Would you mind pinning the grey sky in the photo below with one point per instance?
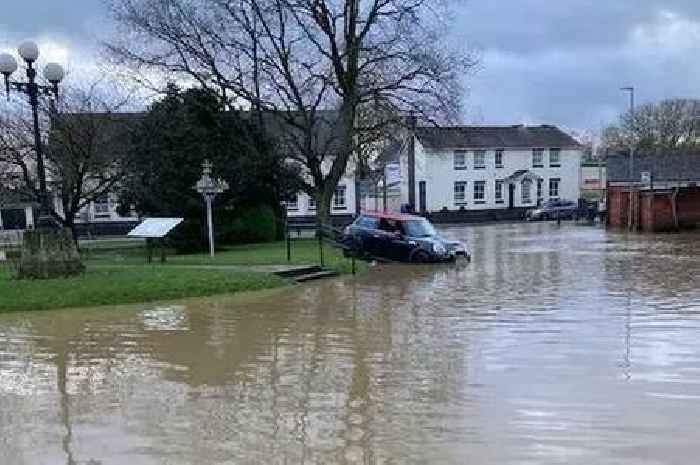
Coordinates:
(543, 61)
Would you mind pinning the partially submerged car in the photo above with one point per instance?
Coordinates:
(554, 209)
(400, 237)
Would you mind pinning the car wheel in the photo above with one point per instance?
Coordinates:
(420, 256)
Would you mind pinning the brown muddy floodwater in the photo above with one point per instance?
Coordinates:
(555, 345)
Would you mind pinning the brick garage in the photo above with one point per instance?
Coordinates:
(653, 209)
(661, 195)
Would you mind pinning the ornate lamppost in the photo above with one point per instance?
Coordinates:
(53, 73)
(49, 251)
(209, 188)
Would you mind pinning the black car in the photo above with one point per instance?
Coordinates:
(563, 209)
(400, 237)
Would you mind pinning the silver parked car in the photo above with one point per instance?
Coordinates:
(564, 209)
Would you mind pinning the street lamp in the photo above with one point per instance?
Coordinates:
(632, 122)
(53, 73)
(209, 188)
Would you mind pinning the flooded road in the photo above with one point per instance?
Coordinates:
(555, 345)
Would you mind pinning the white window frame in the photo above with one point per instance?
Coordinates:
(460, 199)
(457, 163)
(293, 205)
(479, 159)
(102, 206)
(554, 161)
(554, 188)
(526, 192)
(498, 190)
(538, 158)
(340, 198)
(479, 194)
(498, 158)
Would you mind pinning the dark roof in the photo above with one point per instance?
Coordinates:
(668, 166)
(494, 137)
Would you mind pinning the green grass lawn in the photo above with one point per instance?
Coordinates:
(124, 285)
(117, 274)
(304, 252)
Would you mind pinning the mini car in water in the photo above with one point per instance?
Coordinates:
(400, 237)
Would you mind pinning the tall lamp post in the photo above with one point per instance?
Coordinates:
(209, 188)
(53, 73)
(632, 122)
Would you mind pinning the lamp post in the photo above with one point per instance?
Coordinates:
(632, 122)
(53, 73)
(209, 188)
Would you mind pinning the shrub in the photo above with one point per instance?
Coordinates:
(252, 224)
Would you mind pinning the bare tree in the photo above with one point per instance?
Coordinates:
(667, 125)
(86, 144)
(329, 76)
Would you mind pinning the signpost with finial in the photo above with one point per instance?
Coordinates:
(209, 188)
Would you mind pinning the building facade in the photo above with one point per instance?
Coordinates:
(468, 168)
(658, 192)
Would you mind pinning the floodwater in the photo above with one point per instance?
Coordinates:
(555, 345)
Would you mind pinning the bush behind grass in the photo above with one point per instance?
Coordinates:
(126, 285)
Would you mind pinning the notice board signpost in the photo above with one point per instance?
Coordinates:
(153, 229)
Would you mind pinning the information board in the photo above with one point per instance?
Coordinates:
(154, 227)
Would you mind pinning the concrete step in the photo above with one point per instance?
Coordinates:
(292, 272)
(315, 275)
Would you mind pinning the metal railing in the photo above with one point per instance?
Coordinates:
(324, 234)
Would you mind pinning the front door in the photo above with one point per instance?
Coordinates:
(511, 195)
(422, 197)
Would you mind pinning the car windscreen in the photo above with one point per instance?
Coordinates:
(368, 222)
(419, 228)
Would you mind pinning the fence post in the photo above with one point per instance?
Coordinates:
(289, 243)
(320, 244)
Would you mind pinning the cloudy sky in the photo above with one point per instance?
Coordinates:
(543, 61)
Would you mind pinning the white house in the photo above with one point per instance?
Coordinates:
(472, 168)
(489, 167)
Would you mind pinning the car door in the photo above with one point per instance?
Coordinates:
(399, 246)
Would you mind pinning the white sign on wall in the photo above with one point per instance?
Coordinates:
(393, 173)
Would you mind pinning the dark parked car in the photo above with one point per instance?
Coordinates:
(564, 209)
(400, 237)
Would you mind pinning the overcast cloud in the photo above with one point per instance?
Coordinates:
(543, 61)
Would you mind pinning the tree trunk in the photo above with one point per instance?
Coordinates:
(323, 206)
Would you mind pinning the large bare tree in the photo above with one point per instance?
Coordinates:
(86, 144)
(329, 76)
(668, 125)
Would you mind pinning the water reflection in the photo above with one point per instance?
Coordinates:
(555, 345)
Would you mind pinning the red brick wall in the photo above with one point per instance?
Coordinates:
(618, 204)
(655, 211)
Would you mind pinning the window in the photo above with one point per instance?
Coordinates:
(499, 158)
(539, 190)
(293, 203)
(479, 191)
(479, 159)
(339, 198)
(312, 203)
(460, 193)
(101, 205)
(554, 160)
(460, 159)
(537, 158)
(554, 188)
(526, 187)
(499, 191)
(368, 222)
